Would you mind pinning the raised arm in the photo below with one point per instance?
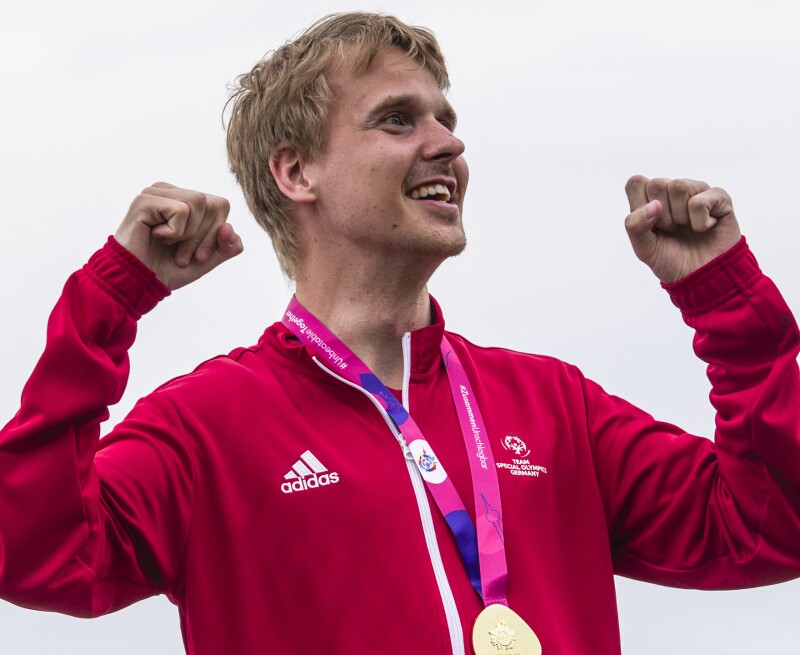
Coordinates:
(67, 541)
(683, 510)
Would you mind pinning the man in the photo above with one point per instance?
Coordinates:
(284, 502)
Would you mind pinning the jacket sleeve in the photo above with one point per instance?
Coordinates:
(68, 540)
(724, 514)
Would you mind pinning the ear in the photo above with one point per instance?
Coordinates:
(289, 170)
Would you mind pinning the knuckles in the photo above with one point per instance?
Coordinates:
(680, 187)
(639, 186)
(203, 209)
(635, 183)
(221, 206)
(721, 193)
(196, 200)
(657, 187)
(696, 203)
(140, 199)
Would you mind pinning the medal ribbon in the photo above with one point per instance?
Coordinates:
(481, 544)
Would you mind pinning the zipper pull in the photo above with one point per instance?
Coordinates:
(406, 450)
(400, 439)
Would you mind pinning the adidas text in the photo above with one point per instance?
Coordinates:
(310, 482)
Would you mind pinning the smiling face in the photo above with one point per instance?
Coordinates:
(392, 178)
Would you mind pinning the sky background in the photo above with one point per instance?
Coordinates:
(559, 103)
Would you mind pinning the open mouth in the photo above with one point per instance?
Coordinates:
(431, 192)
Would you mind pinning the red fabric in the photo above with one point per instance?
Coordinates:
(184, 496)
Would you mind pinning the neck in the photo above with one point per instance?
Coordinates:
(370, 314)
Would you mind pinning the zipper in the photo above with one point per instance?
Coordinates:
(445, 592)
(406, 343)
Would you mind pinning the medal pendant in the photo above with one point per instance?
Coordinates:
(500, 631)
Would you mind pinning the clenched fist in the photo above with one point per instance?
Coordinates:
(179, 234)
(677, 226)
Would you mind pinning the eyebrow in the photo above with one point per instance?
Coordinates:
(395, 101)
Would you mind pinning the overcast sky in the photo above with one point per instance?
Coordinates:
(559, 103)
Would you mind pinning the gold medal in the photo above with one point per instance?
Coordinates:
(500, 631)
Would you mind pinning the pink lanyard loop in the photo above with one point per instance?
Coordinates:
(488, 572)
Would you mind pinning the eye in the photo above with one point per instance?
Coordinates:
(395, 120)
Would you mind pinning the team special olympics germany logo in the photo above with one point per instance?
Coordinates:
(519, 465)
(516, 445)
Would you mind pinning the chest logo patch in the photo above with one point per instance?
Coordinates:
(520, 464)
(514, 443)
(308, 473)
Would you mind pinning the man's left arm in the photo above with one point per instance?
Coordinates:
(687, 511)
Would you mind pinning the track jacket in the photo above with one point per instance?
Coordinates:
(273, 504)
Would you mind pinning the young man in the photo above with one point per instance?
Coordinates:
(292, 496)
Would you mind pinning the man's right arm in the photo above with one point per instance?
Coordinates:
(65, 544)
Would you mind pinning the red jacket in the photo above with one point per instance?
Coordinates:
(272, 504)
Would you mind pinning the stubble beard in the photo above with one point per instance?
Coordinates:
(440, 246)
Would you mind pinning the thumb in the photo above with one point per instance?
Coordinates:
(639, 224)
(229, 244)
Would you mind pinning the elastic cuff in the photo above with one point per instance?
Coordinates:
(713, 284)
(125, 278)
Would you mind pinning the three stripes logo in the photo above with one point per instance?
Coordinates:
(308, 473)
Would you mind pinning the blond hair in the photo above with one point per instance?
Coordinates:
(285, 101)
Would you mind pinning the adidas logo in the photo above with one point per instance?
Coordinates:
(308, 473)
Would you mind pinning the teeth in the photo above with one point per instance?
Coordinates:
(431, 191)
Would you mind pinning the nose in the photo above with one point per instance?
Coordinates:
(441, 144)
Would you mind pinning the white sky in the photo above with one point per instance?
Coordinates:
(559, 103)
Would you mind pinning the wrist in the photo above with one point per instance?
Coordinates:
(713, 283)
(126, 278)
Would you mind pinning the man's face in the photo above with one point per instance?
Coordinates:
(392, 179)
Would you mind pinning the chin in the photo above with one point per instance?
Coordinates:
(440, 245)
(457, 247)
